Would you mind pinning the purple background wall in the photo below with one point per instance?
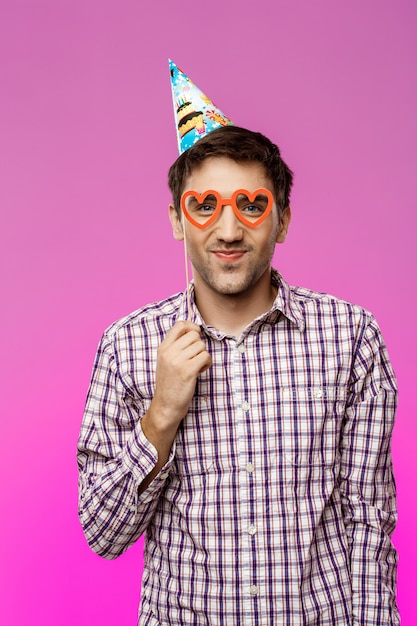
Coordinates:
(87, 136)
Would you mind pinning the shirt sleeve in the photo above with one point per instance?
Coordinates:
(114, 457)
(367, 482)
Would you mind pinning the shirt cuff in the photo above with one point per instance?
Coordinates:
(140, 457)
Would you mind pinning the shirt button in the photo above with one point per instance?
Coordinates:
(254, 590)
(249, 468)
(163, 475)
(318, 393)
(241, 348)
(245, 406)
(251, 529)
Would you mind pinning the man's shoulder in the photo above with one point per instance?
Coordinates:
(164, 311)
(306, 296)
(314, 303)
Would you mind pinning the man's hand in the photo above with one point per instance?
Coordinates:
(182, 356)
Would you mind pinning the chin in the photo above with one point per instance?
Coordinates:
(231, 280)
(232, 286)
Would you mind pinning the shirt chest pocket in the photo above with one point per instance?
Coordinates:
(311, 419)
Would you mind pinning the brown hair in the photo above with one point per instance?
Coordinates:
(241, 145)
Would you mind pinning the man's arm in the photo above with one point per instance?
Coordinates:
(367, 483)
(123, 456)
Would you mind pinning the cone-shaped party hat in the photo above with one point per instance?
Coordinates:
(195, 114)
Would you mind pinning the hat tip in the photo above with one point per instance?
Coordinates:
(195, 114)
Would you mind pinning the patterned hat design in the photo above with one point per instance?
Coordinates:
(195, 114)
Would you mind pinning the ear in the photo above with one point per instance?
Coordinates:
(175, 223)
(284, 225)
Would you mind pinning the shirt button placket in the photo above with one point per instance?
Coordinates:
(247, 484)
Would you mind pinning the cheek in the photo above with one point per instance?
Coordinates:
(272, 235)
(195, 241)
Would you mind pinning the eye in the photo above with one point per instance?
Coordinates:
(253, 209)
(205, 208)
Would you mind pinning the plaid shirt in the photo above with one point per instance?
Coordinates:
(277, 503)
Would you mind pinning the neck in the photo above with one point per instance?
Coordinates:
(231, 313)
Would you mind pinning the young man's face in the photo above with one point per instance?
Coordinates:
(229, 257)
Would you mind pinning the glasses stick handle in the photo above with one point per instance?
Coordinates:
(187, 280)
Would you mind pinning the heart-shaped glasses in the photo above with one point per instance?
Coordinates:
(250, 208)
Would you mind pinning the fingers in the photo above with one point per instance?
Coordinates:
(185, 339)
(182, 329)
(184, 351)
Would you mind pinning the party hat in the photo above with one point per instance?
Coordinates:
(195, 114)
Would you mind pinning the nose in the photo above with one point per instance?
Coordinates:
(228, 226)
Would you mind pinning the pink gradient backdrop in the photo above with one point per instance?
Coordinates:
(87, 136)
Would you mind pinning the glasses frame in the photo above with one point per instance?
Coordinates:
(221, 202)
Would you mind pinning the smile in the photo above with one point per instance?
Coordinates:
(229, 256)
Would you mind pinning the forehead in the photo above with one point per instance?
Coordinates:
(226, 175)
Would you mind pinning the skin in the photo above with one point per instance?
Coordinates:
(232, 275)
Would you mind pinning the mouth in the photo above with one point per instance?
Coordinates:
(229, 256)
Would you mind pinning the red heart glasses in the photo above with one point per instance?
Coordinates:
(251, 208)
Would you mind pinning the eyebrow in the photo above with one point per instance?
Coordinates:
(192, 200)
(259, 196)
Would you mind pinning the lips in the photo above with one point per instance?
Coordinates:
(229, 256)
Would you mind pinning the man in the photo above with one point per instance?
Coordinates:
(246, 428)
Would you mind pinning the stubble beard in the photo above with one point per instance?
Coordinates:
(231, 280)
